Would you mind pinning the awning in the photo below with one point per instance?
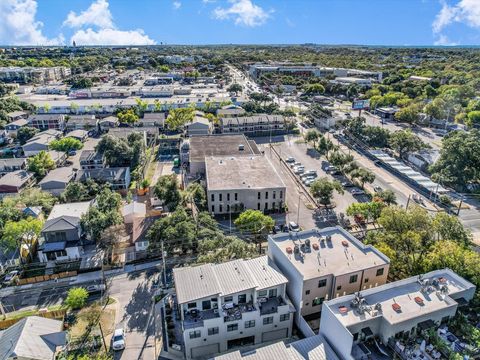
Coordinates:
(55, 246)
(427, 324)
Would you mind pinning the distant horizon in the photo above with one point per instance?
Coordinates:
(409, 23)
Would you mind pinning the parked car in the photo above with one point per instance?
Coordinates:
(95, 288)
(292, 165)
(331, 169)
(72, 153)
(11, 277)
(377, 189)
(290, 159)
(347, 184)
(309, 182)
(299, 170)
(276, 229)
(356, 191)
(293, 226)
(118, 340)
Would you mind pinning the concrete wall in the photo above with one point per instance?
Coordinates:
(337, 336)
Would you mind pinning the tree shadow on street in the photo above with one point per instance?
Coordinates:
(139, 307)
(313, 153)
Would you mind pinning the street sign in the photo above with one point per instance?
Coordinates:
(360, 104)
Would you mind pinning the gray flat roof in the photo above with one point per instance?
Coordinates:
(198, 282)
(342, 255)
(220, 145)
(76, 209)
(241, 172)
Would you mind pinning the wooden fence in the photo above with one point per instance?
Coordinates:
(55, 314)
(41, 278)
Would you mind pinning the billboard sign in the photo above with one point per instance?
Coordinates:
(360, 104)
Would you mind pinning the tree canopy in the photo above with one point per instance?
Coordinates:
(40, 164)
(66, 144)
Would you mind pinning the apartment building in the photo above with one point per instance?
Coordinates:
(222, 306)
(323, 264)
(258, 125)
(48, 122)
(39, 75)
(243, 182)
(118, 177)
(393, 312)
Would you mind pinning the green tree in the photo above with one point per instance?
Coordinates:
(325, 146)
(323, 189)
(76, 298)
(122, 152)
(177, 118)
(40, 164)
(235, 88)
(223, 248)
(256, 224)
(166, 190)
(314, 89)
(388, 197)
(196, 193)
(459, 161)
(473, 118)
(311, 136)
(127, 116)
(23, 233)
(405, 141)
(363, 175)
(25, 133)
(368, 210)
(409, 114)
(340, 160)
(66, 144)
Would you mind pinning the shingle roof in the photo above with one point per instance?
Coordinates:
(198, 282)
(32, 337)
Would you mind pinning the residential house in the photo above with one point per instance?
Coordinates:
(169, 144)
(40, 142)
(59, 157)
(13, 127)
(80, 135)
(32, 211)
(62, 234)
(323, 264)
(82, 122)
(118, 178)
(386, 113)
(57, 180)
(222, 306)
(151, 119)
(48, 121)
(198, 126)
(390, 313)
(91, 159)
(17, 115)
(108, 123)
(13, 164)
(258, 125)
(33, 338)
(14, 182)
(244, 182)
(230, 111)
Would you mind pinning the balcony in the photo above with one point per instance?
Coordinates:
(235, 313)
(270, 306)
(194, 319)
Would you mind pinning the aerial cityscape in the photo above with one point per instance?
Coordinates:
(239, 179)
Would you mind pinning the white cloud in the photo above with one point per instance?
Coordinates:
(111, 37)
(18, 25)
(97, 14)
(465, 11)
(105, 32)
(243, 12)
(177, 5)
(443, 40)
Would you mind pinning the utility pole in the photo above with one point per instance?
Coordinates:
(164, 267)
(298, 208)
(103, 337)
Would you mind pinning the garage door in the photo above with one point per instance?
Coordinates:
(205, 350)
(275, 335)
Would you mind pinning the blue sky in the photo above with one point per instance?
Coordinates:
(370, 22)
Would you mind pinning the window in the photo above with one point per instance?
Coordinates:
(232, 327)
(272, 293)
(259, 195)
(339, 287)
(322, 283)
(206, 305)
(353, 279)
(192, 305)
(281, 194)
(249, 324)
(285, 317)
(213, 197)
(228, 299)
(268, 320)
(228, 197)
(195, 334)
(262, 293)
(242, 299)
(307, 292)
(266, 194)
(380, 272)
(220, 208)
(318, 301)
(266, 206)
(213, 331)
(274, 195)
(355, 337)
(366, 280)
(236, 196)
(228, 208)
(213, 208)
(258, 206)
(219, 197)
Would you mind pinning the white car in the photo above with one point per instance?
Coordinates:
(290, 159)
(118, 340)
(11, 277)
(356, 191)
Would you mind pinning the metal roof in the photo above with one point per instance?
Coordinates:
(56, 246)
